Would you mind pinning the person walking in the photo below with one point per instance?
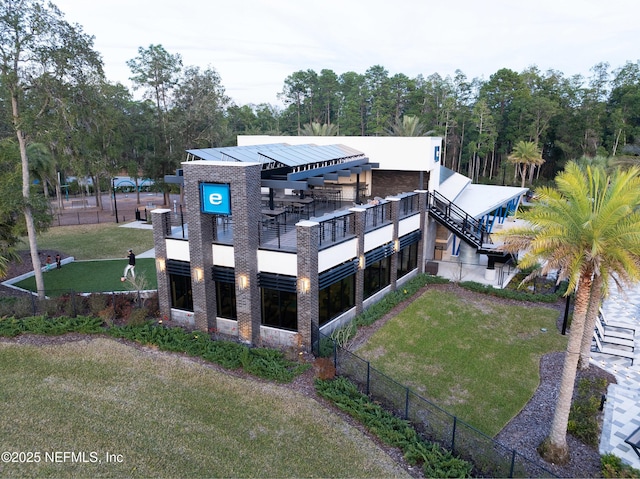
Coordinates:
(131, 266)
(58, 261)
(48, 264)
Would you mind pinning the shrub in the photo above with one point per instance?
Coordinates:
(585, 410)
(137, 317)
(612, 466)
(513, 294)
(265, 363)
(50, 326)
(97, 303)
(396, 432)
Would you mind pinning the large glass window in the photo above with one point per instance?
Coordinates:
(336, 298)
(279, 309)
(407, 259)
(377, 276)
(181, 295)
(226, 300)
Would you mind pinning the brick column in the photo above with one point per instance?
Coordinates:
(308, 293)
(244, 183)
(395, 219)
(200, 247)
(359, 218)
(161, 220)
(245, 204)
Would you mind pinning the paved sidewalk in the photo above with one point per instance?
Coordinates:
(622, 409)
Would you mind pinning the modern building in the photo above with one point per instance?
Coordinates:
(287, 237)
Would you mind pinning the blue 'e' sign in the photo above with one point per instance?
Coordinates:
(215, 198)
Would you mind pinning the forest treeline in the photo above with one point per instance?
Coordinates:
(97, 129)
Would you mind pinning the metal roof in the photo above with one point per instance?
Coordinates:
(289, 166)
(279, 154)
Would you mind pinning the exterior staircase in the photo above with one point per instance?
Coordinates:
(466, 227)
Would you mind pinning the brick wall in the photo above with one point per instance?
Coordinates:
(388, 183)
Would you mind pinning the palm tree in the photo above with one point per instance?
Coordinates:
(409, 126)
(41, 164)
(527, 154)
(585, 228)
(317, 129)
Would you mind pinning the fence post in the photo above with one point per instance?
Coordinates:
(368, 377)
(406, 404)
(33, 305)
(453, 435)
(73, 303)
(335, 355)
(113, 302)
(513, 462)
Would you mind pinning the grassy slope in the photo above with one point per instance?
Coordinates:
(167, 417)
(479, 360)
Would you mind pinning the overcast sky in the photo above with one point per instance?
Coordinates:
(255, 44)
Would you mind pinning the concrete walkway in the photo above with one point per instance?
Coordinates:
(622, 409)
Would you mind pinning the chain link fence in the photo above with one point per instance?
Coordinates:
(434, 424)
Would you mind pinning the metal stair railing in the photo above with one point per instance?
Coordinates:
(457, 220)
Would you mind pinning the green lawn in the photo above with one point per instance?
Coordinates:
(163, 415)
(95, 277)
(479, 359)
(101, 241)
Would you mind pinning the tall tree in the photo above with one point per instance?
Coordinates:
(198, 114)
(10, 203)
(486, 136)
(157, 71)
(298, 93)
(585, 227)
(38, 50)
(379, 101)
(353, 110)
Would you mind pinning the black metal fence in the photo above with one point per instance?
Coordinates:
(434, 424)
(92, 216)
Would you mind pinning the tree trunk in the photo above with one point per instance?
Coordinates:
(555, 449)
(28, 214)
(590, 322)
(96, 190)
(615, 145)
(59, 194)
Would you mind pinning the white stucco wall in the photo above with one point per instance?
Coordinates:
(391, 152)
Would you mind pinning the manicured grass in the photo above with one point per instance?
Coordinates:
(95, 276)
(479, 359)
(166, 416)
(99, 241)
